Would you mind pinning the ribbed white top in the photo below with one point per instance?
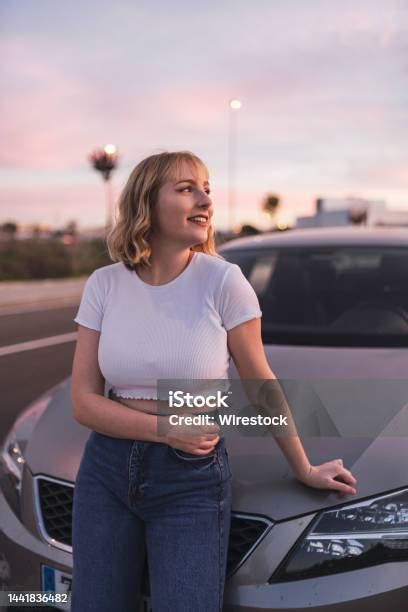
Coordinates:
(174, 331)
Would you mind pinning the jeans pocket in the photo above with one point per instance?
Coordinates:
(192, 458)
(199, 460)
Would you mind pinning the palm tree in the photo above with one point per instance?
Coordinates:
(270, 205)
(105, 161)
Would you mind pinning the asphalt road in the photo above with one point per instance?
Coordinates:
(25, 374)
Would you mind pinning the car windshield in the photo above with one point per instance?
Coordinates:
(331, 296)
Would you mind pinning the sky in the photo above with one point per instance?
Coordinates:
(323, 86)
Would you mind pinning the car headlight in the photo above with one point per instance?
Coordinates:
(13, 447)
(351, 537)
(13, 459)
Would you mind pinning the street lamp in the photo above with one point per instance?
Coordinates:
(234, 106)
(105, 161)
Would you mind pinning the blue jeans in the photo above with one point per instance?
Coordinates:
(134, 497)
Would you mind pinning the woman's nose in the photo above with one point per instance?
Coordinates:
(206, 206)
(205, 200)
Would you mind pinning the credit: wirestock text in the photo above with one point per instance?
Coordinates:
(228, 420)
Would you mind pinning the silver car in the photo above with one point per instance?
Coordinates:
(335, 332)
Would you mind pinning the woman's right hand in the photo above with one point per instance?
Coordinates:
(195, 439)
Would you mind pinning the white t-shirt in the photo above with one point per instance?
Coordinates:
(177, 330)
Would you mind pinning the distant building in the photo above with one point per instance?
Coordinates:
(331, 204)
(324, 219)
(352, 211)
(390, 217)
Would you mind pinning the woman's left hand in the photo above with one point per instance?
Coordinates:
(330, 475)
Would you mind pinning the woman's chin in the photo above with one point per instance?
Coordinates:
(200, 233)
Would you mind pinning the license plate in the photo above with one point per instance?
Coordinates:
(55, 581)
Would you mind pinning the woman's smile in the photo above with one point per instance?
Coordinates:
(199, 220)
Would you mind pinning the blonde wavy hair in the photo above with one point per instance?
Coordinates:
(128, 240)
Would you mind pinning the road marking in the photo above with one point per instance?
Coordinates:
(35, 344)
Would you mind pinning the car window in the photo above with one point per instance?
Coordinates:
(342, 296)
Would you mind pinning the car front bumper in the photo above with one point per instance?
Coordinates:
(23, 554)
(379, 588)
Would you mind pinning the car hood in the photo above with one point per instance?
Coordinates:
(262, 480)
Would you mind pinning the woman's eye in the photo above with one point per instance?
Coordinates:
(207, 191)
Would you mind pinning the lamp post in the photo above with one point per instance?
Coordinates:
(234, 106)
(105, 161)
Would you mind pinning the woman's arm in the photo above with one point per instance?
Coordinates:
(91, 408)
(246, 348)
(111, 418)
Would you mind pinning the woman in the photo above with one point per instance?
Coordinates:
(170, 308)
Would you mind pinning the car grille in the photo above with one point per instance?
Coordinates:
(54, 510)
(54, 507)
